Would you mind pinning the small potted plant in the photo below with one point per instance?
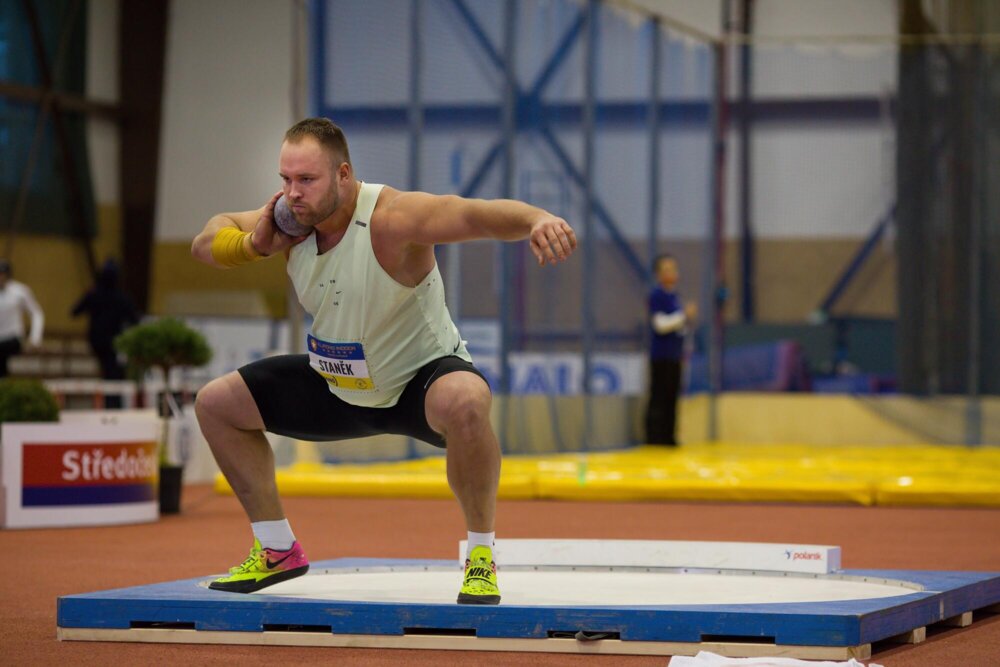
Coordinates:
(26, 400)
(165, 344)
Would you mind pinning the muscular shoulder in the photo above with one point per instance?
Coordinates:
(386, 208)
(404, 215)
(392, 237)
(388, 223)
(402, 209)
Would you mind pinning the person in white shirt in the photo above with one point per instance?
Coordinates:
(16, 299)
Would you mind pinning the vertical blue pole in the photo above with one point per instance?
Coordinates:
(509, 130)
(508, 250)
(317, 21)
(507, 186)
(746, 166)
(714, 269)
(416, 110)
(977, 223)
(589, 240)
(653, 118)
(710, 287)
(416, 122)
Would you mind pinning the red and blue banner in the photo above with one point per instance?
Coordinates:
(57, 474)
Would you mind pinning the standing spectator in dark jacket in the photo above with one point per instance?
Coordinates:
(668, 320)
(110, 312)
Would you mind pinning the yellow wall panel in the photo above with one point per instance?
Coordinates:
(55, 268)
(806, 418)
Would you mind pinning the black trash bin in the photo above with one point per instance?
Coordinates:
(170, 489)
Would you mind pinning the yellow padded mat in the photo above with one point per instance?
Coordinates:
(864, 475)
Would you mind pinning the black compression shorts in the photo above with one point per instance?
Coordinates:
(295, 401)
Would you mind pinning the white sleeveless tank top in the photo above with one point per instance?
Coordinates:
(370, 334)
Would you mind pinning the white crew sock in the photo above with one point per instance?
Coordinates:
(275, 535)
(479, 540)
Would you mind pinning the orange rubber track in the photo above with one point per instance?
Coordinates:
(212, 534)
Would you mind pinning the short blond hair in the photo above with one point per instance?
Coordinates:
(326, 132)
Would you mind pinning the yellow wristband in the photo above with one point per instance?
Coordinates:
(229, 248)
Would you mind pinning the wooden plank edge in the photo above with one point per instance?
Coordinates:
(914, 636)
(963, 620)
(552, 645)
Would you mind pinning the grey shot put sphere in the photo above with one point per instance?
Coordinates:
(286, 221)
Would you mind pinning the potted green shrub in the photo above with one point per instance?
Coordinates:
(26, 400)
(165, 344)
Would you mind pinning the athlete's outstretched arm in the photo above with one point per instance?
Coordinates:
(427, 219)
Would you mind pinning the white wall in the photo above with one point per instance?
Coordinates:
(820, 180)
(704, 16)
(227, 102)
(783, 17)
(825, 17)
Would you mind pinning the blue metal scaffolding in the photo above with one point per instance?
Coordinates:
(523, 111)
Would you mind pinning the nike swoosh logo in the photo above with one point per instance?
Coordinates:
(273, 564)
(457, 345)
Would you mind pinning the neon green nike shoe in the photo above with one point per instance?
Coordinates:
(263, 568)
(480, 585)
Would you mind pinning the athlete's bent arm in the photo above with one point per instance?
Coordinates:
(262, 236)
(427, 219)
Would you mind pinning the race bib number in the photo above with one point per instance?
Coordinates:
(343, 365)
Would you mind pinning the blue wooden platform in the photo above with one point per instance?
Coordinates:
(188, 605)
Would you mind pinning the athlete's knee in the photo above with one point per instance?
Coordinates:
(209, 403)
(220, 400)
(465, 414)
